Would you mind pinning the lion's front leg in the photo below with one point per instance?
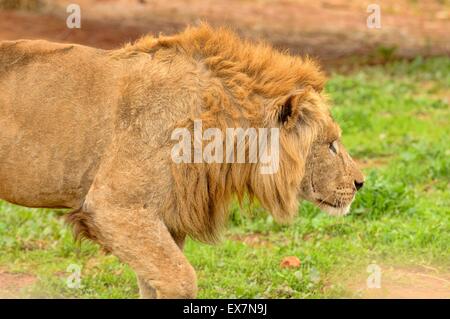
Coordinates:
(123, 205)
(145, 290)
(138, 237)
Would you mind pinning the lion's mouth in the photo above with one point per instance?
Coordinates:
(323, 202)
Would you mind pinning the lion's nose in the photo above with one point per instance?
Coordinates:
(359, 185)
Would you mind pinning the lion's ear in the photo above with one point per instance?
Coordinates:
(285, 111)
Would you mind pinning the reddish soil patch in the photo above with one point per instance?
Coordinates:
(406, 282)
(252, 240)
(11, 284)
(24, 25)
(333, 30)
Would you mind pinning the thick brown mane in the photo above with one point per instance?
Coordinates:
(248, 83)
(252, 67)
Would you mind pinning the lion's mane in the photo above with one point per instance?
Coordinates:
(249, 83)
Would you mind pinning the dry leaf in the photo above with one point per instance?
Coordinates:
(290, 262)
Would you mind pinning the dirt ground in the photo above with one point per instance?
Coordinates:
(12, 284)
(405, 282)
(333, 30)
(396, 282)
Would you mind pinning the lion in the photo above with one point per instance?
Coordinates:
(90, 130)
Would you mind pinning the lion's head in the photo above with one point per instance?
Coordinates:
(331, 177)
(314, 164)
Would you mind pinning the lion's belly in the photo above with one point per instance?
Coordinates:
(51, 167)
(37, 174)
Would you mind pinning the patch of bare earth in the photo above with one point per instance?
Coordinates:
(252, 240)
(405, 282)
(13, 284)
(334, 30)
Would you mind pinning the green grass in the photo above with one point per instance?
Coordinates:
(395, 118)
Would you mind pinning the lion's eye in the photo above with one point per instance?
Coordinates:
(334, 148)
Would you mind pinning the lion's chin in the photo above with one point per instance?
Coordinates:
(334, 210)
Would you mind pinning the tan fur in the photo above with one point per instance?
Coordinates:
(94, 135)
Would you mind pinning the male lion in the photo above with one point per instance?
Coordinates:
(90, 130)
